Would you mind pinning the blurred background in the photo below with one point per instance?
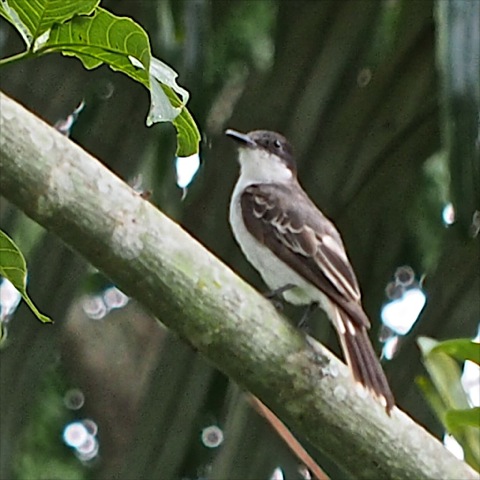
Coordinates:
(381, 102)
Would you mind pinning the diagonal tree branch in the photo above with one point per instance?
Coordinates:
(152, 259)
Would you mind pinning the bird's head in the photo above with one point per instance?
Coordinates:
(264, 156)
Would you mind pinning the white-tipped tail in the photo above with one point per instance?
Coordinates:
(362, 360)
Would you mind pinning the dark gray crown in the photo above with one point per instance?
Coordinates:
(272, 142)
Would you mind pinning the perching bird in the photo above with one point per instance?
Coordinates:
(298, 251)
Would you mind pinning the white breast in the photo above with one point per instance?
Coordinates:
(274, 272)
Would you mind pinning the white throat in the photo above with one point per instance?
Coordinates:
(260, 166)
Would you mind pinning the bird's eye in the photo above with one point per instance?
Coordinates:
(277, 144)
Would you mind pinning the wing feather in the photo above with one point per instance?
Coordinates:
(305, 240)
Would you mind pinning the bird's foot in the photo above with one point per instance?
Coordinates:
(275, 296)
(303, 323)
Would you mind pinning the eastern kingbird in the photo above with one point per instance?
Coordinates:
(298, 251)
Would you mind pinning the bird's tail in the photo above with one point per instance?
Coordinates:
(362, 360)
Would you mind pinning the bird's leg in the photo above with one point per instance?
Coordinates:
(302, 324)
(279, 291)
(275, 296)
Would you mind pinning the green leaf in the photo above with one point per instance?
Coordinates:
(117, 41)
(167, 106)
(431, 394)
(34, 18)
(12, 17)
(445, 374)
(460, 348)
(455, 419)
(188, 136)
(13, 267)
(103, 38)
(464, 425)
(163, 108)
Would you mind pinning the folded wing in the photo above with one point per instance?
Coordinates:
(309, 243)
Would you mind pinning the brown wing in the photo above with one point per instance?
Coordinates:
(305, 240)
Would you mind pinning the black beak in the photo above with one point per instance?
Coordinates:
(239, 137)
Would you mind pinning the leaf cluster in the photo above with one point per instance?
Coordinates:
(95, 36)
(445, 393)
